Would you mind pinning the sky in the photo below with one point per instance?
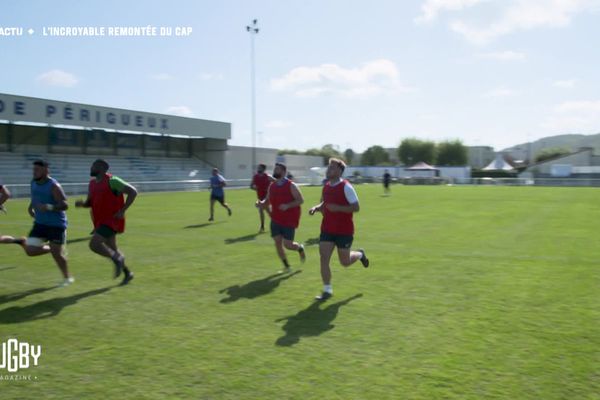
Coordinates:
(351, 73)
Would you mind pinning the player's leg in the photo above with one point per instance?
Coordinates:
(288, 243)
(348, 257)
(225, 205)
(7, 239)
(99, 245)
(325, 252)
(212, 209)
(278, 240)
(35, 246)
(277, 235)
(111, 242)
(261, 213)
(59, 254)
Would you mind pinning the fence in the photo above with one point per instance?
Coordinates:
(558, 182)
(194, 185)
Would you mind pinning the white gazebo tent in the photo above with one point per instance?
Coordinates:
(499, 164)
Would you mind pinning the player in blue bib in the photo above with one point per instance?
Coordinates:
(217, 183)
(47, 208)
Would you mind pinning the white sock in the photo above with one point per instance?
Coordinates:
(328, 288)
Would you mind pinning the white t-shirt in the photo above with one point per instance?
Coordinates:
(349, 192)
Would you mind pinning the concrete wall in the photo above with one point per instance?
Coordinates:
(238, 161)
(298, 165)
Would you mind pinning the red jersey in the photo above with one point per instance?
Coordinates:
(336, 223)
(105, 204)
(261, 182)
(282, 194)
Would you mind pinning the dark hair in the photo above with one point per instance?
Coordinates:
(263, 166)
(41, 163)
(281, 166)
(103, 163)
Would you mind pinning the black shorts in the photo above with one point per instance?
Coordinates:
(386, 184)
(105, 231)
(52, 234)
(279, 230)
(220, 199)
(341, 241)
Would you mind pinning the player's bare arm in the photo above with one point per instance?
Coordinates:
(352, 208)
(316, 209)
(131, 193)
(60, 200)
(264, 202)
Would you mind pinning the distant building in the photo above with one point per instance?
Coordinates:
(480, 156)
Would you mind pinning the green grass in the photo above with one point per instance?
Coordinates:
(474, 293)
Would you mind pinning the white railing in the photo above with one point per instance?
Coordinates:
(191, 185)
(194, 185)
(577, 182)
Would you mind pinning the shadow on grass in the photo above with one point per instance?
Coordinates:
(254, 289)
(44, 309)
(7, 268)
(246, 238)
(312, 321)
(7, 298)
(82, 239)
(312, 241)
(202, 225)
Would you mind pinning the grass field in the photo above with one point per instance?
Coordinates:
(474, 293)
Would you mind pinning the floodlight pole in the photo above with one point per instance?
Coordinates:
(252, 29)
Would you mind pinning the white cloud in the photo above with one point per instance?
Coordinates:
(182, 111)
(58, 77)
(370, 79)
(504, 55)
(161, 77)
(500, 92)
(575, 116)
(516, 15)
(278, 124)
(432, 8)
(565, 84)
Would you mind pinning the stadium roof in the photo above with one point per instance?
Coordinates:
(52, 112)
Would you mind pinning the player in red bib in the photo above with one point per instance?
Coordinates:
(260, 183)
(338, 203)
(285, 199)
(105, 197)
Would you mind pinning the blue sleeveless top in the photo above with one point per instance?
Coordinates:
(42, 194)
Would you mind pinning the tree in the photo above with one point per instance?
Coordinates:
(328, 151)
(349, 155)
(551, 152)
(451, 153)
(375, 155)
(412, 151)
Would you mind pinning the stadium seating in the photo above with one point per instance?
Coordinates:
(15, 168)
